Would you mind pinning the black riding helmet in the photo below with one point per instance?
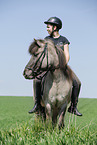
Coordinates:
(54, 21)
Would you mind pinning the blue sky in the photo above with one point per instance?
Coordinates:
(23, 20)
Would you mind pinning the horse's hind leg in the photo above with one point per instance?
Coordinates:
(54, 116)
(61, 116)
(48, 112)
(61, 120)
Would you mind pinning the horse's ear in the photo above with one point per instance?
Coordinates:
(35, 40)
(39, 42)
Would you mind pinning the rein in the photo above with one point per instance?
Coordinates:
(41, 56)
(36, 70)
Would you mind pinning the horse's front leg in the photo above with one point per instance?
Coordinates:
(48, 112)
(61, 116)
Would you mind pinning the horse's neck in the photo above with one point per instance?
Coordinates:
(58, 75)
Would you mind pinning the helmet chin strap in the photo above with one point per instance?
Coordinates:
(53, 31)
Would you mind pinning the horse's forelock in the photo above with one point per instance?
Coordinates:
(35, 45)
(33, 48)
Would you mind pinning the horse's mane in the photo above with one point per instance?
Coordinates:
(62, 62)
(61, 56)
(62, 59)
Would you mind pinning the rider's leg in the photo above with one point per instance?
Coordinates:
(37, 95)
(74, 96)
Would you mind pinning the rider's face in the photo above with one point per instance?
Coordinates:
(49, 28)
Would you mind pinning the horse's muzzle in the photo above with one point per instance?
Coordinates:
(28, 74)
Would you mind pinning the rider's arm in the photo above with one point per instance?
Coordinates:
(66, 52)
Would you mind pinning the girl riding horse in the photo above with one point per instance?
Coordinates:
(54, 24)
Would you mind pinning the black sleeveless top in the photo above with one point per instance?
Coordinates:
(60, 41)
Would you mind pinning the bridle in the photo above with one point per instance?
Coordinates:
(36, 69)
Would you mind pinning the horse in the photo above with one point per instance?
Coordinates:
(48, 64)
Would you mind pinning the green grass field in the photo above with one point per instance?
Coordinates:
(17, 127)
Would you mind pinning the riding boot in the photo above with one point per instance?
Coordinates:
(37, 97)
(74, 99)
